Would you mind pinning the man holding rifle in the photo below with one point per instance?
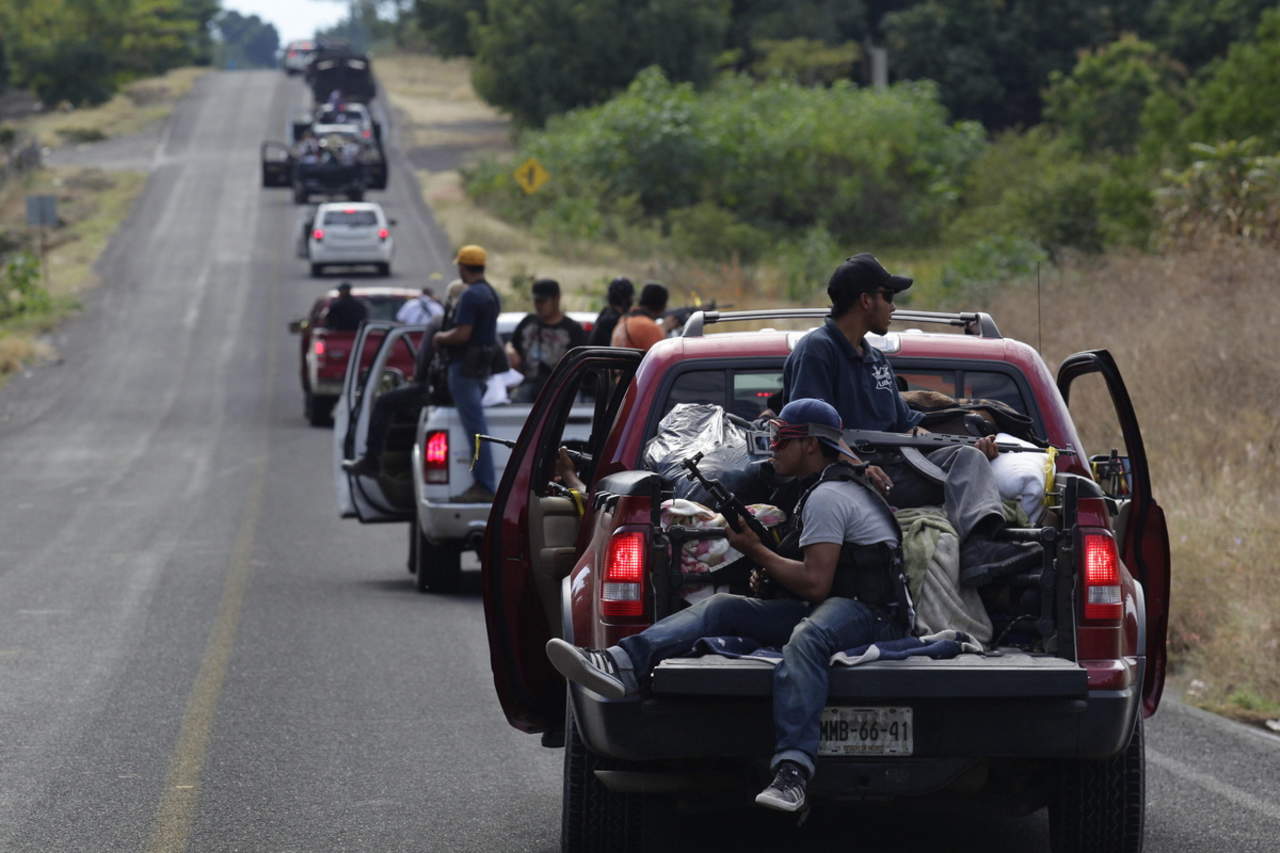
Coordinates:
(839, 585)
(838, 364)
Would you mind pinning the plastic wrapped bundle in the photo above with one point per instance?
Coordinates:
(703, 556)
(732, 450)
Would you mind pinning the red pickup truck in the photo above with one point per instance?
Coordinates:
(324, 352)
(1055, 720)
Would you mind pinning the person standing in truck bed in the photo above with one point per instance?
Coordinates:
(841, 593)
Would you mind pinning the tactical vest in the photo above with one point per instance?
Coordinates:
(873, 574)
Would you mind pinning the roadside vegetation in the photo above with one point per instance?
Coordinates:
(1119, 160)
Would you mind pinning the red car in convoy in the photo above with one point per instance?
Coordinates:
(324, 352)
(1053, 720)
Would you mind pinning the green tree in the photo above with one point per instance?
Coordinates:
(536, 58)
(808, 62)
(448, 24)
(1098, 106)
(81, 51)
(992, 58)
(1198, 31)
(247, 41)
(1241, 95)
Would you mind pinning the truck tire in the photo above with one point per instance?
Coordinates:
(318, 408)
(355, 195)
(413, 548)
(438, 566)
(384, 270)
(1100, 806)
(301, 196)
(317, 270)
(594, 819)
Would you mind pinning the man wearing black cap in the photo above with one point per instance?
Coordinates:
(618, 302)
(823, 605)
(838, 364)
(542, 337)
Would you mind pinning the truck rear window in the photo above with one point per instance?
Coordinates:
(744, 393)
(350, 217)
(974, 384)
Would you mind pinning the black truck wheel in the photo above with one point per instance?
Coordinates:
(1100, 806)
(301, 196)
(438, 567)
(318, 408)
(317, 270)
(594, 819)
(412, 562)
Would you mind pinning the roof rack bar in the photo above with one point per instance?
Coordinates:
(973, 322)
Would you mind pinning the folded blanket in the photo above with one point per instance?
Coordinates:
(931, 558)
(939, 646)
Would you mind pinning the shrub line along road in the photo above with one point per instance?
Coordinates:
(196, 654)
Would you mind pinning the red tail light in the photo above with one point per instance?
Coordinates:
(1100, 566)
(319, 346)
(435, 457)
(622, 587)
(383, 233)
(317, 234)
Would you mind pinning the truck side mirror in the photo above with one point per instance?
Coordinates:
(392, 222)
(296, 326)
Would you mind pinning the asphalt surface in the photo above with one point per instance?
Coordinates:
(196, 653)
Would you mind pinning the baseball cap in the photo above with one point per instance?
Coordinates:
(470, 256)
(863, 273)
(547, 287)
(809, 416)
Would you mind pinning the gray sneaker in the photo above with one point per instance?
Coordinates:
(787, 791)
(592, 668)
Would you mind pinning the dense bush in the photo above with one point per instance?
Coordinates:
(20, 289)
(777, 157)
(1232, 191)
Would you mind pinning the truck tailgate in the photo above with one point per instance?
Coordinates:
(1012, 673)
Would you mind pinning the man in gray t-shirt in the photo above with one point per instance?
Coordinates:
(810, 623)
(840, 512)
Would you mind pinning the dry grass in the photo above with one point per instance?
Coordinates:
(1193, 335)
(92, 204)
(133, 108)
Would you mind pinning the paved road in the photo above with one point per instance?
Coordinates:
(196, 654)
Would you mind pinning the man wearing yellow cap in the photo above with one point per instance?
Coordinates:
(473, 346)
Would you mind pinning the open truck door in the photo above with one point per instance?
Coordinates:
(277, 164)
(370, 372)
(1125, 477)
(532, 528)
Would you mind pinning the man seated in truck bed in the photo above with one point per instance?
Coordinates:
(842, 592)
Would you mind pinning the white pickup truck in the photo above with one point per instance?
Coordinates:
(425, 462)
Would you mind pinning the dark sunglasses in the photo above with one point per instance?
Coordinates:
(887, 294)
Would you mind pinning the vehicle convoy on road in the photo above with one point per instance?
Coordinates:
(428, 460)
(348, 234)
(1051, 716)
(325, 352)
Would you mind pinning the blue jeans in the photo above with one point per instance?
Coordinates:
(808, 635)
(467, 396)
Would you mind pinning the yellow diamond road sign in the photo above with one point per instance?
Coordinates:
(531, 175)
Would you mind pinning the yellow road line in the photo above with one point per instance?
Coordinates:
(171, 827)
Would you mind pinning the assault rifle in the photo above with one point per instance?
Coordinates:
(865, 440)
(725, 502)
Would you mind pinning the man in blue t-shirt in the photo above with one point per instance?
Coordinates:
(838, 363)
(473, 347)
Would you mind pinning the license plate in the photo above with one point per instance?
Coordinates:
(866, 731)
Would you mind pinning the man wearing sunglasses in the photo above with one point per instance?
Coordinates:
(838, 584)
(838, 364)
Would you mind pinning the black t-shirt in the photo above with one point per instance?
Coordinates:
(602, 331)
(345, 314)
(541, 345)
